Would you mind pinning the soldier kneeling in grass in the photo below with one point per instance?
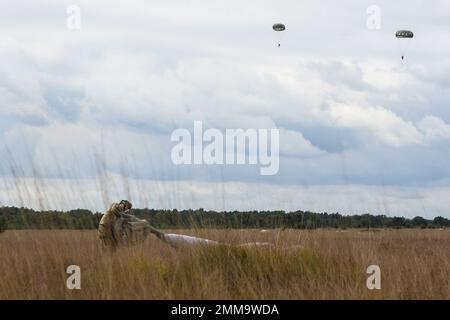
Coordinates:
(117, 227)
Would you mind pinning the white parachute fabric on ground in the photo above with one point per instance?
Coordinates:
(130, 230)
(177, 240)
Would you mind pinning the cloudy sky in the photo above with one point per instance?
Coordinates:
(86, 114)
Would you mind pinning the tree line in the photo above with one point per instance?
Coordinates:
(23, 218)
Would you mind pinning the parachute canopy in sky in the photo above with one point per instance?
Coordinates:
(404, 34)
(279, 27)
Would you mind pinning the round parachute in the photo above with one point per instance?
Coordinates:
(279, 27)
(404, 34)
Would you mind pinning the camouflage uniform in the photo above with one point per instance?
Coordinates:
(119, 228)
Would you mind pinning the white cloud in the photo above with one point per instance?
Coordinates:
(383, 124)
(293, 143)
(434, 129)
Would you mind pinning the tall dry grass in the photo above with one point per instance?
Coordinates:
(320, 264)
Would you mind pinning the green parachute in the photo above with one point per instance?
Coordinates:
(279, 27)
(404, 34)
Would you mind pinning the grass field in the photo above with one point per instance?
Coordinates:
(316, 264)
